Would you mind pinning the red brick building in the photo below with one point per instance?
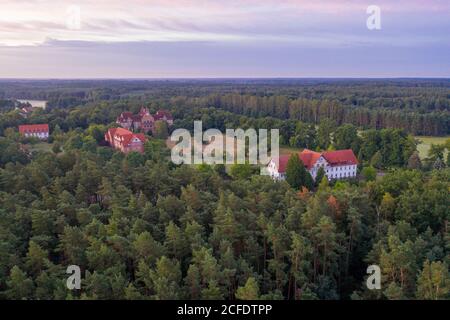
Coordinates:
(143, 121)
(40, 131)
(164, 115)
(125, 140)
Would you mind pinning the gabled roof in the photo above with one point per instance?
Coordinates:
(121, 131)
(129, 137)
(144, 111)
(26, 128)
(340, 157)
(282, 162)
(124, 116)
(126, 135)
(160, 114)
(309, 158)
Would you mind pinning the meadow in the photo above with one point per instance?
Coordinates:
(425, 143)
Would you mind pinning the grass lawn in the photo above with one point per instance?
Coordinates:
(425, 144)
(289, 150)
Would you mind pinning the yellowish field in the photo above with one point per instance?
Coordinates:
(425, 143)
(289, 150)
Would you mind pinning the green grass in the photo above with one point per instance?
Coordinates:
(425, 143)
(289, 150)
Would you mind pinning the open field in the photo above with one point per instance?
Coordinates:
(288, 150)
(422, 147)
(426, 143)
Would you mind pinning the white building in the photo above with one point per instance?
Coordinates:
(340, 164)
(40, 131)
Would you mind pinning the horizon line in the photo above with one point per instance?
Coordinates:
(230, 78)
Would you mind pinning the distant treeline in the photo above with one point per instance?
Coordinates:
(315, 110)
(419, 106)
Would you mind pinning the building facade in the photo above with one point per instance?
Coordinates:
(143, 121)
(40, 131)
(340, 164)
(125, 140)
(163, 115)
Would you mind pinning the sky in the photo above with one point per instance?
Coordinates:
(224, 38)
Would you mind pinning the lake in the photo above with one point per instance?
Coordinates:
(35, 103)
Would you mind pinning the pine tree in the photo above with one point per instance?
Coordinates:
(434, 281)
(324, 184)
(36, 258)
(296, 173)
(175, 243)
(248, 292)
(147, 248)
(19, 285)
(320, 175)
(132, 293)
(212, 292)
(166, 278)
(299, 255)
(192, 281)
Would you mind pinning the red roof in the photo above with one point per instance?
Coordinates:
(126, 135)
(340, 157)
(124, 116)
(309, 158)
(282, 162)
(160, 114)
(127, 138)
(144, 111)
(121, 131)
(27, 128)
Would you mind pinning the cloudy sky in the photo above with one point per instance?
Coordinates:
(222, 38)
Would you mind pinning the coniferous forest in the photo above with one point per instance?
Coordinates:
(141, 227)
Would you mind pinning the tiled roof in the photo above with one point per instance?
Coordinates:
(121, 131)
(127, 138)
(125, 135)
(27, 128)
(160, 114)
(125, 116)
(309, 158)
(340, 157)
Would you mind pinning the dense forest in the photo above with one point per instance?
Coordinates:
(141, 227)
(419, 106)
